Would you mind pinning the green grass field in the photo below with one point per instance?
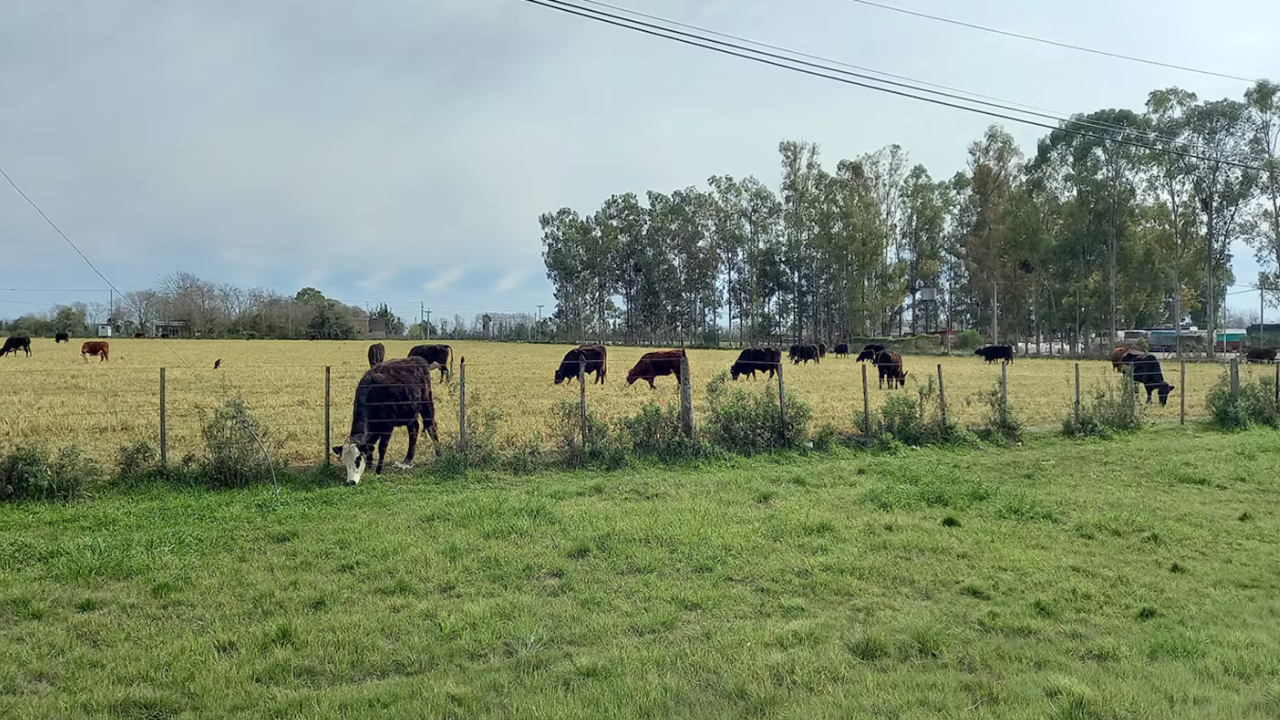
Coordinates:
(55, 396)
(1129, 579)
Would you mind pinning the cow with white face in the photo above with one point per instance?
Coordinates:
(392, 394)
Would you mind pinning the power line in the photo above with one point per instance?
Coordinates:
(1055, 43)
(87, 261)
(995, 101)
(741, 52)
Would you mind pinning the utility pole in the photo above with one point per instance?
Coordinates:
(426, 328)
(539, 322)
(995, 313)
(1262, 310)
(422, 325)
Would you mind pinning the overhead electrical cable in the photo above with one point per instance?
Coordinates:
(1055, 43)
(813, 69)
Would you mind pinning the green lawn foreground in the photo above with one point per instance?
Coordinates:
(1137, 578)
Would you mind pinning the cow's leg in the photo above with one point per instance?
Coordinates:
(651, 385)
(430, 421)
(412, 427)
(383, 439)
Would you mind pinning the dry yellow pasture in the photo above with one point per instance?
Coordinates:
(57, 397)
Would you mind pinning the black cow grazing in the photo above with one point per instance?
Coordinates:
(392, 394)
(992, 353)
(377, 353)
(869, 352)
(595, 357)
(1145, 369)
(16, 343)
(217, 363)
(842, 350)
(753, 360)
(438, 354)
(890, 366)
(61, 338)
(822, 350)
(805, 353)
(1261, 355)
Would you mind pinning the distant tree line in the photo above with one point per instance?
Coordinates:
(183, 305)
(1109, 225)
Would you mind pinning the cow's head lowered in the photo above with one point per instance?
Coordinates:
(356, 457)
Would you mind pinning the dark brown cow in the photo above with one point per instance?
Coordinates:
(753, 360)
(869, 352)
(656, 364)
(61, 338)
(392, 394)
(822, 350)
(889, 364)
(16, 343)
(842, 350)
(595, 357)
(139, 335)
(101, 348)
(805, 353)
(441, 355)
(377, 353)
(217, 363)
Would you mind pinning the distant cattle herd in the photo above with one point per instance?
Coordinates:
(397, 392)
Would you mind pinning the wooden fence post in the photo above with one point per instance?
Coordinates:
(782, 400)
(686, 397)
(164, 444)
(1077, 405)
(327, 443)
(462, 404)
(1004, 386)
(942, 396)
(582, 398)
(1235, 378)
(866, 404)
(1182, 410)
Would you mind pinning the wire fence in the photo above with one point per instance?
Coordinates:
(307, 408)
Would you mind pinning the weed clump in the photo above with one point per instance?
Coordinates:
(32, 472)
(747, 422)
(234, 446)
(1108, 411)
(913, 421)
(1255, 404)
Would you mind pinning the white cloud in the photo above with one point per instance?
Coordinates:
(443, 280)
(509, 281)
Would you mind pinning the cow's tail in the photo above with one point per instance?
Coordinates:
(450, 361)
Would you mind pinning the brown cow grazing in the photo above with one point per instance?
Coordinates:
(439, 354)
(753, 360)
(101, 348)
(1117, 357)
(596, 360)
(377, 353)
(656, 364)
(890, 366)
(392, 394)
(217, 363)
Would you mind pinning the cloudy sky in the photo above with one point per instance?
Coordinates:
(397, 150)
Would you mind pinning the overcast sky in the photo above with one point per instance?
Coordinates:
(401, 150)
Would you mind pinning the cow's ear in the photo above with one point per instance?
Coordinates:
(337, 450)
